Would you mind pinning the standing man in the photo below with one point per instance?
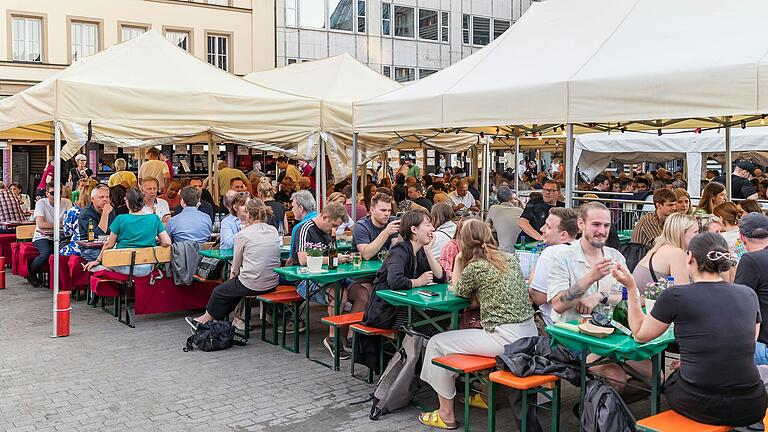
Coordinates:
(651, 224)
(741, 187)
(287, 170)
(153, 204)
(413, 169)
(537, 210)
(97, 215)
(43, 237)
(504, 218)
(753, 232)
(226, 176)
(164, 157)
(155, 168)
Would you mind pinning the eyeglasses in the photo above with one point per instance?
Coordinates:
(49, 192)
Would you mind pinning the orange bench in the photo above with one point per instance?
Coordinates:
(338, 322)
(527, 385)
(279, 299)
(473, 368)
(670, 421)
(247, 307)
(384, 335)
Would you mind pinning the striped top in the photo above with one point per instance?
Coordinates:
(647, 229)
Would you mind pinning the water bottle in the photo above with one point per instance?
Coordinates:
(217, 223)
(670, 281)
(522, 242)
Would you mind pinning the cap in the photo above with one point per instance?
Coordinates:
(80, 157)
(754, 225)
(745, 165)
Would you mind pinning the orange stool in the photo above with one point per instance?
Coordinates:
(472, 367)
(527, 385)
(278, 299)
(337, 322)
(670, 421)
(384, 335)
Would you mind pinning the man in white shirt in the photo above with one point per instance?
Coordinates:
(43, 238)
(580, 282)
(153, 204)
(559, 231)
(462, 200)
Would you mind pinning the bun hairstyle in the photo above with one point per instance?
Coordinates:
(711, 253)
(135, 199)
(258, 211)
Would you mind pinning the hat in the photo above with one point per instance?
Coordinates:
(80, 157)
(745, 165)
(754, 225)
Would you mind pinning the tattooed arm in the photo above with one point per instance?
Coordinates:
(573, 296)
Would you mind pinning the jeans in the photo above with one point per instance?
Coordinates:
(305, 287)
(761, 354)
(139, 270)
(44, 249)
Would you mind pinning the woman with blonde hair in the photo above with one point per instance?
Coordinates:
(266, 193)
(340, 198)
(712, 196)
(667, 257)
(506, 315)
(683, 201)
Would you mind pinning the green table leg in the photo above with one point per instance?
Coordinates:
(524, 414)
(491, 406)
(455, 320)
(555, 411)
(582, 389)
(466, 401)
(657, 361)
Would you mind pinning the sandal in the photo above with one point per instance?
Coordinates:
(476, 401)
(432, 419)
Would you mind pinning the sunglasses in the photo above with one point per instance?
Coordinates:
(49, 192)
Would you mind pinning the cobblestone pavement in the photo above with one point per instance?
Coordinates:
(108, 377)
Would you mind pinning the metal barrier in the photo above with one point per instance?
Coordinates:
(624, 212)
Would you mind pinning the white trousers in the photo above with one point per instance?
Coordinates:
(468, 341)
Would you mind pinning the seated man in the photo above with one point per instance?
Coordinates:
(238, 185)
(10, 209)
(190, 225)
(580, 282)
(650, 225)
(171, 196)
(153, 204)
(43, 237)
(415, 195)
(286, 191)
(318, 230)
(96, 215)
(462, 200)
(204, 205)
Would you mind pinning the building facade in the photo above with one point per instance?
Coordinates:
(402, 39)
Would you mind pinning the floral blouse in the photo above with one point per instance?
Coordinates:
(447, 256)
(71, 227)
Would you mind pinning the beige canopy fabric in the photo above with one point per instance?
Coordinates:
(338, 82)
(585, 61)
(147, 91)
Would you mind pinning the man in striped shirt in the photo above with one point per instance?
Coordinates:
(650, 226)
(10, 208)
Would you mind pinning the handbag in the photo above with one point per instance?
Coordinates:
(470, 317)
(210, 268)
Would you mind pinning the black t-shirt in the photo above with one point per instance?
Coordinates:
(751, 272)
(278, 210)
(283, 197)
(76, 175)
(741, 188)
(715, 327)
(424, 202)
(536, 212)
(308, 233)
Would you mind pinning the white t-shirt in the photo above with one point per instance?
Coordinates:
(539, 281)
(161, 208)
(45, 209)
(443, 235)
(468, 200)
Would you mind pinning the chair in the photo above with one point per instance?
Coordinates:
(670, 421)
(26, 250)
(384, 335)
(532, 384)
(472, 367)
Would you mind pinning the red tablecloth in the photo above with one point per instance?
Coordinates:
(23, 253)
(5, 247)
(72, 276)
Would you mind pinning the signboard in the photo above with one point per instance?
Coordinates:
(197, 149)
(243, 150)
(110, 149)
(180, 149)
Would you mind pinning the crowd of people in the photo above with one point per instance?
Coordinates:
(428, 229)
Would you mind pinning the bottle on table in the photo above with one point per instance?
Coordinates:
(620, 314)
(333, 253)
(217, 223)
(670, 281)
(91, 233)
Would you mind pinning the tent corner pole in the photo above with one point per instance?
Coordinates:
(354, 176)
(56, 221)
(728, 159)
(517, 164)
(570, 169)
(485, 181)
(318, 167)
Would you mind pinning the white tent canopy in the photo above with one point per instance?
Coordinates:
(147, 91)
(593, 152)
(595, 61)
(338, 82)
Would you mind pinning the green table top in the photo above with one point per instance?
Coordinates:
(617, 345)
(344, 271)
(225, 254)
(342, 245)
(529, 246)
(444, 301)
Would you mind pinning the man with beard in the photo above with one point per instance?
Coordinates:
(580, 282)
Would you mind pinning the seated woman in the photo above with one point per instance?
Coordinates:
(667, 257)
(133, 230)
(235, 221)
(23, 198)
(256, 255)
(729, 213)
(445, 228)
(339, 197)
(506, 314)
(450, 250)
(266, 193)
(716, 324)
(70, 225)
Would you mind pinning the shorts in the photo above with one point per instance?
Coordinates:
(320, 291)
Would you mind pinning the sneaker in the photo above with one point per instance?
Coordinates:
(343, 354)
(238, 324)
(192, 323)
(289, 327)
(348, 343)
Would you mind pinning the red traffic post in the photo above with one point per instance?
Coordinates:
(62, 313)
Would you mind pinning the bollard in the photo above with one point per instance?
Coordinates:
(2, 273)
(62, 313)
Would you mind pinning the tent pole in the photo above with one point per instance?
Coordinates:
(56, 220)
(318, 189)
(570, 169)
(517, 164)
(728, 159)
(211, 181)
(354, 176)
(486, 173)
(323, 172)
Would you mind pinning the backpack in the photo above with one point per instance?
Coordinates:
(604, 410)
(213, 336)
(397, 384)
(633, 253)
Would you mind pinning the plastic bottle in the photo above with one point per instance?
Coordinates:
(217, 223)
(670, 281)
(620, 314)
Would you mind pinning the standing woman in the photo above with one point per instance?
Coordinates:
(506, 314)
(717, 382)
(712, 196)
(46, 178)
(80, 171)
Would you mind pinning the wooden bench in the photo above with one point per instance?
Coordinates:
(338, 322)
(533, 384)
(279, 301)
(388, 338)
(472, 367)
(670, 421)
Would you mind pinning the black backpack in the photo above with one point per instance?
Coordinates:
(604, 410)
(213, 336)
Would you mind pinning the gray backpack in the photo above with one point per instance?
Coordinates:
(604, 410)
(397, 384)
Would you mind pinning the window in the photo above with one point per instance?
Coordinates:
(27, 39)
(85, 39)
(444, 27)
(218, 51)
(404, 74)
(386, 18)
(179, 38)
(361, 16)
(291, 61)
(219, 2)
(423, 73)
(428, 27)
(129, 33)
(481, 30)
(465, 20)
(386, 71)
(342, 14)
(291, 14)
(404, 25)
(312, 13)
(499, 27)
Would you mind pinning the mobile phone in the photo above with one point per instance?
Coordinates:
(401, 293)
(428, 293)
(399, 215)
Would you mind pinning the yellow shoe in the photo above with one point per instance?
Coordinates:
(477, 401)
(432, 419)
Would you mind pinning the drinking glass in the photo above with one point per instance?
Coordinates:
(357, 260)
(383, 254)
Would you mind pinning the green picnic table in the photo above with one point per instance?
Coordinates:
(344, 271)
(444, 301)
(342, 245)
(624, 236)
(616, 348)
(222, 254)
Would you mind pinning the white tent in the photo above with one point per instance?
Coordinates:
(593, 152)
(338, 82)
(147, 91)
(595, 61)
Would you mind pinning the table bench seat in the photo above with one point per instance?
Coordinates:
(670, 421)
(465, 362)
(343, 320)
